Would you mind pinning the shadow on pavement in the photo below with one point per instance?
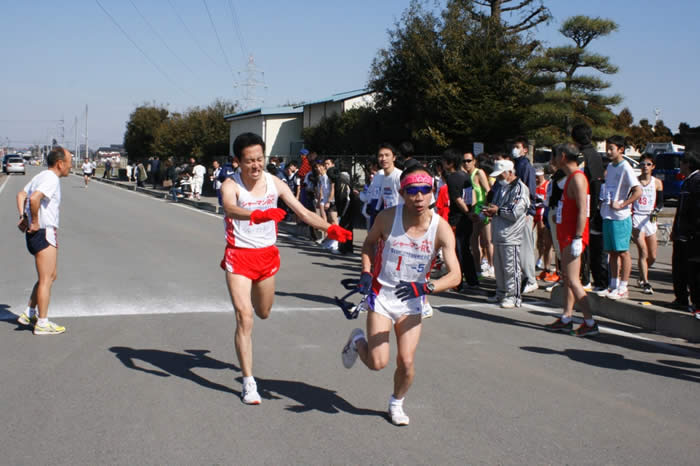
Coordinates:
(605, 338)
(499, 319)
(6, 314)
(618, 362)
(316, 298)
(310, 398)
(177, 364)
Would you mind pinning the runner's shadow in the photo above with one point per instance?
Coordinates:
(11, 318)
(177, 364)
(316, 298)
(310, 398)
(618, 362)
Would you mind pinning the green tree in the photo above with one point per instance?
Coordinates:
(566, 97)
(199, 132)
(453, 78)
(141, 130)
(529, 13)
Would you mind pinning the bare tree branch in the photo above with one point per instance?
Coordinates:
(524, 3)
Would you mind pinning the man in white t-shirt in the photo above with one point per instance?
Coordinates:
(389, 195)
(621, 190)
(198, 173)
(38, 205)
(87, 171)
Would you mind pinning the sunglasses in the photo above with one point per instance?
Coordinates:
(468, 160)
(413, 190)
(646, 164)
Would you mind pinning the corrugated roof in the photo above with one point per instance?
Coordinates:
(338, 97)
(264, 111)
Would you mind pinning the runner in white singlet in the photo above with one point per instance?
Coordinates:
(644, 212)
(406, 238)
(251, 259)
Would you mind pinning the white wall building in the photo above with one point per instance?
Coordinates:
(280, 128)
(315, 111)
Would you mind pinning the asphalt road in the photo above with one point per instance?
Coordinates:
(147, 373)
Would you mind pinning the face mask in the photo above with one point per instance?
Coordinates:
(515, 152)
(502, 182)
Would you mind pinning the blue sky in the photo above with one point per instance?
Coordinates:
(59, 56)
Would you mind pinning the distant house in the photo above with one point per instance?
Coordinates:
(279, 127)
(315, 111)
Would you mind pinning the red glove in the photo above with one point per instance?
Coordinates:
(262, 216)
(339, 234)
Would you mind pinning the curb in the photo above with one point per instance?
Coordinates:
(657, 319)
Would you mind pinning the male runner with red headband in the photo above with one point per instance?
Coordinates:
(407, 238)
(252, 259)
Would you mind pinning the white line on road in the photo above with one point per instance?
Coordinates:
(3, 185)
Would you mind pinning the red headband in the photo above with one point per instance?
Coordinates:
(417, 178)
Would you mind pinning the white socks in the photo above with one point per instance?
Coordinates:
(395, 402)
(248, 379)
(623, 285)
(589, 322)
(564, 319)
(42, 322)
(613, 283)
(31, 311)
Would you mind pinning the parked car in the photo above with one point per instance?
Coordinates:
(15, 165)
(668, 170)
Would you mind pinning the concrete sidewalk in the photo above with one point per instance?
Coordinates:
(652, 313)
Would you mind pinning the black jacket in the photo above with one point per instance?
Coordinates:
(686, 223)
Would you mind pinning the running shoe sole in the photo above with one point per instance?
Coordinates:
(51, 329)
(349, 354)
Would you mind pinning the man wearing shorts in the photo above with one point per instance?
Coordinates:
(571, 217)
(644, 212)
(87, 172)
(406, 238)
(621, 191)
(251, 259)
(38, 205)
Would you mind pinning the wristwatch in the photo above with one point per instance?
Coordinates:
(430, 286)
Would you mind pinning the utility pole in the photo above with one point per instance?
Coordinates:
(77, 144)
(87, 151)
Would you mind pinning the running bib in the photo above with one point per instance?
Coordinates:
(560, 207)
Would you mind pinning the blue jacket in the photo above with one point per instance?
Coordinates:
(227, 171)
(526, 173)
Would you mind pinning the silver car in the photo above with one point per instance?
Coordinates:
(15, 165)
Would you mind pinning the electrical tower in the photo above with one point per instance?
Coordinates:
(253, 78)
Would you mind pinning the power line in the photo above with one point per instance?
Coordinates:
(194, 38)
(219, 40)
(237, 28)
(155, 65)
(160, 37)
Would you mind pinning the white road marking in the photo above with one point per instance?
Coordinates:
(3, 185)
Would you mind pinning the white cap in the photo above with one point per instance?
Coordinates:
(502, 166)
(539, 172)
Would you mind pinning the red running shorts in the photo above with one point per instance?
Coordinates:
(256, 264)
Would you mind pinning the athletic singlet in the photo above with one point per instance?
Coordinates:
(240, 233)
(647, 201)
(402, 258)
(478, 191)
(567, 215)
(541, 194)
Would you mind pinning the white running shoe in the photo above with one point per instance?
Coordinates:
(250, 395)
(508, 303)
(602, 292)
(552, 286)
(50, 328)
(618, 294)
(397, 416)
(349, 353)
(427, 311)
(530, 287)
